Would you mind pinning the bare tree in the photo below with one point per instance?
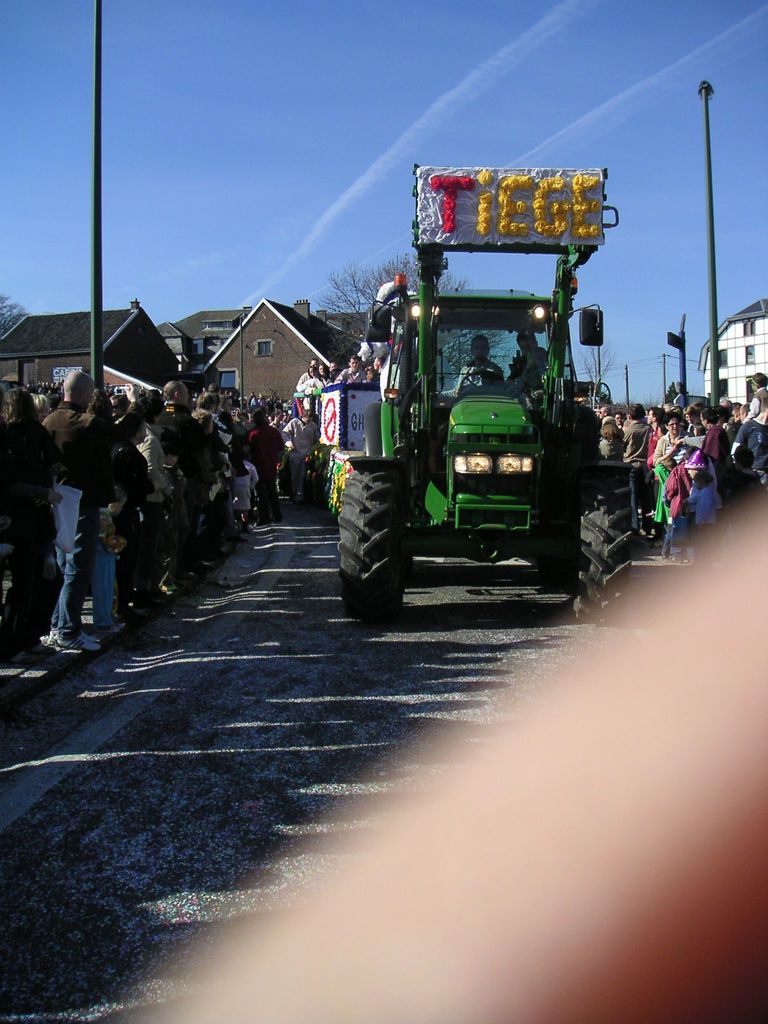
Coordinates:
(350, 291)
(10, 314)
(596, 364)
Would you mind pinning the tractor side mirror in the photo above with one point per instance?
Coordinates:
(591, 326)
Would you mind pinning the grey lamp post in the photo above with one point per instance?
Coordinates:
(97, 350)
(705, 91)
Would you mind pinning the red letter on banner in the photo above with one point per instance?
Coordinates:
(449, 185)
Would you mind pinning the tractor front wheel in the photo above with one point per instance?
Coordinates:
(606, 541)
(370, 525)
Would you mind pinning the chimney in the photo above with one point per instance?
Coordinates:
(302, 307)
(135, 303)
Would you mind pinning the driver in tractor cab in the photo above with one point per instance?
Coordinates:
(480, 370)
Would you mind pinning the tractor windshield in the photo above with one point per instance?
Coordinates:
(499, 348)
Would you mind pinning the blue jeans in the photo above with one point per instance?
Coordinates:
(679, 534)
(103, 587)
(77, 569)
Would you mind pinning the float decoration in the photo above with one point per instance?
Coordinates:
(474, 208)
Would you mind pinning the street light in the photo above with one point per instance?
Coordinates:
(705, 91)
(243, 315)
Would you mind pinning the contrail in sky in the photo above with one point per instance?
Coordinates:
(470, 87)
(616, 110)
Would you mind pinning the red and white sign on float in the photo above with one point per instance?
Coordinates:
(343, 416)
(481, 208)
(329, 426)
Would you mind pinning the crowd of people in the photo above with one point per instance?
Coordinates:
(689, 468)
(168, 483)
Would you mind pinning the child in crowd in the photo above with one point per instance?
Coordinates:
(702, 502)
(245, 480)
(104, 570)
(253, 478)
(676, 490)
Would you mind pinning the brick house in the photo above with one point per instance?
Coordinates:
(274, 347)
(45, 347)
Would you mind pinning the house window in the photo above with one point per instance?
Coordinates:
(264, 348)
(723, 384)
(198, 346)
(749, 355)
(227, 379)
(748, 328)
(723, 357)
(218, 325)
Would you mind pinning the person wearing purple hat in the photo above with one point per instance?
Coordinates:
(701, 503)
(677, 488)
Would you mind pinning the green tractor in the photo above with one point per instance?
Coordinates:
(479, 448)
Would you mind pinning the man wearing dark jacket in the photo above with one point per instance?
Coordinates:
(176, 422)
(85, 442)
(266, 450)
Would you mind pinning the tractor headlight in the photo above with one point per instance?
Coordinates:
(514, 464)
(472, 463)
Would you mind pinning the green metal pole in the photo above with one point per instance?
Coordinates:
(97, 345)
(705, 91)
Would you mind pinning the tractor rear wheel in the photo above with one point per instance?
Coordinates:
(372, 571)
(606, 541)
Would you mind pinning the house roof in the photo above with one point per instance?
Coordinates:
(316, 334)
(168, 329)
(192, 325)
(51, 333)
(173, 337)
(759, 308)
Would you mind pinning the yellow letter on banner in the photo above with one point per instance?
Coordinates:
(484, 206)
(509, 207)
(549, 217)
(582, 205)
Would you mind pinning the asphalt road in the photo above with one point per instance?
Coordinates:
(171, 783)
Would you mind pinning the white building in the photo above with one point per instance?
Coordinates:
(742, 343)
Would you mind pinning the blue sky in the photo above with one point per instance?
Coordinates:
(250, 148)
